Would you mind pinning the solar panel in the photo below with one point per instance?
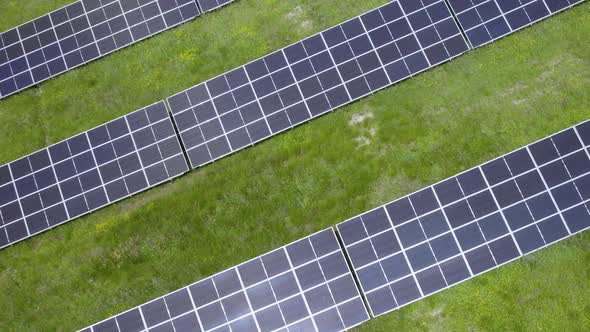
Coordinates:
(488, 20)
(88, 171)
(468, 224)
(304, 286)
(79, 33)
(209, 5)
(311, 77)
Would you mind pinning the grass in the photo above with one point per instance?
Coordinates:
(458, 115)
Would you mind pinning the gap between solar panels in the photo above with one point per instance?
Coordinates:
(84, 31)
(399, 253)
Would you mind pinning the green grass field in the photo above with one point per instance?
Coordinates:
(456, 116)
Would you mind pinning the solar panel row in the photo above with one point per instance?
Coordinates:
(79, 33)
(304, 286)
(88, 171)
(487, 20)
(480, 219)
(315, 76)
(400, 252)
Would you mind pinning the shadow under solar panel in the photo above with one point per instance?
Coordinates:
(88, 171)
(314, 76)
(470, 223)
(79, 33)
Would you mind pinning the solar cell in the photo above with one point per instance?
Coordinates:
(209, 5)
(79, 33)
(303, 286)
(488, 20)
(468, 224)
(88, 171)
(314, 76)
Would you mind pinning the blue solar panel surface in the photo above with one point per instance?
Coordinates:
(88, 171)
(304, 286)
(209, 5)
(79, 33)
(314, 76)
(468, 224)
(487, 20)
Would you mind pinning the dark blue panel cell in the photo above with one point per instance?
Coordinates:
(420, 256)
(341, 53)
(543, 151)
(504, 249)
(96, 198)
(566, 195)
(377, 79)
(496, 171)
(362, 253)
(458, 213)
(556, 5)
(436, 54)
(470, 19)
(480, 259)
(314, 45)
(577, 163)
(419, 19)
(536, 10)
(455, 270)
(391, 11)
(395, 267)
(400, 211)
(488, 10)
(282, 78)
(358, 88)
(424, 201)
(37, 223)
(552, 229)
(258, 130)
(431, 280)
(410, 233)
(380, 37)
(577, 218)
(353, 28)
(372, 19)
(278, 121)
(76, 206)
(23, 80)
(385, 244)
(518, 216)
(555, 173)
(530, 184)
(31, 204)
(482, 203)
(405, 290)
(541, 206)
(337, 97)
(24, 186)
(529, 239)
(434, 224)
(303, 70)
(444, 247)
(16, 231)
(478, 36)
(352, 231)
(329, 79)
(295, 52)
(298, 113)
(469, 236)
(507, 193)
(360, 45)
